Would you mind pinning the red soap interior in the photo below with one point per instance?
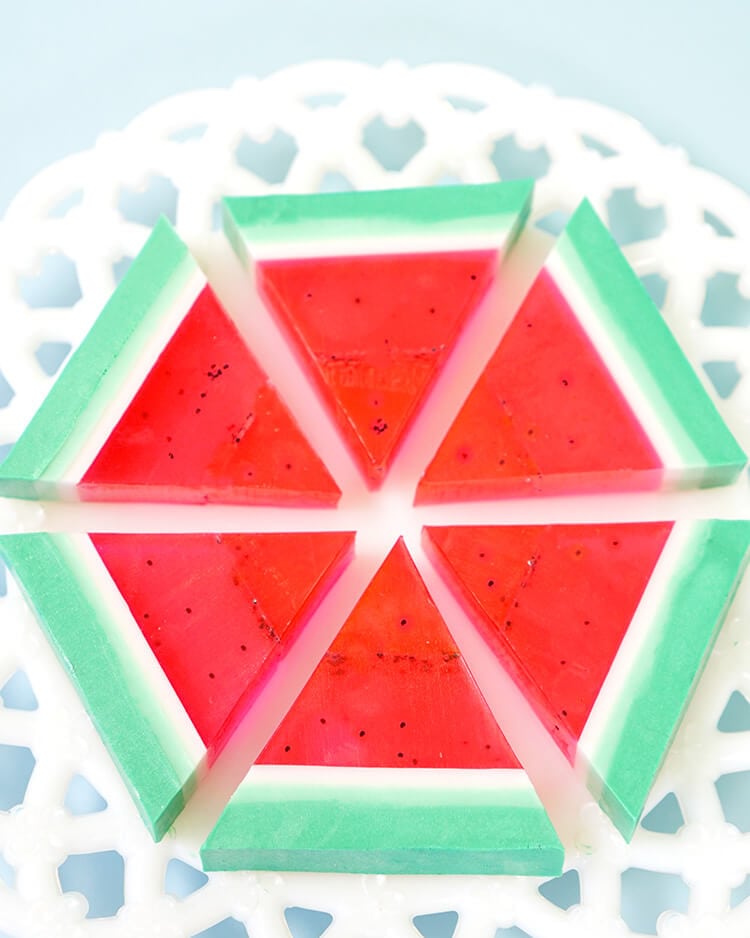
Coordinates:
(220, 611)
(207, 420)
(392, 690)
(553, 603)
(374, 332)
(545, 415)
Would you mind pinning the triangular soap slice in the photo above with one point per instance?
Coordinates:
(389, 761)
(375, 288)
(606, 628)
(587, 391)
(163, 401)
(168, 638)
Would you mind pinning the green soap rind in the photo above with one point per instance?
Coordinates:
(657, 362)
(678, 647)
(439, 210)
(376, 830)
(84, 387)
(159, 778)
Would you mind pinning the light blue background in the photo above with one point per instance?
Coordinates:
(70, 69)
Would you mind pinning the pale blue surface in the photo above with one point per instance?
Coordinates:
(69, 70)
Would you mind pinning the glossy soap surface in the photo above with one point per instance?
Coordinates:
(393, 690)
(219, 611)
(553, 603)
(536, 420)
(374, 332)
(206, 420)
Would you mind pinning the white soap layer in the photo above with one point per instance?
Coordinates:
(75, 464)
(172, 725)
(614, 360)
(363, 246)
(609, 711)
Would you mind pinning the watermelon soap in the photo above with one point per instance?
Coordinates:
(587, 391)
(606, 628)
(163, 401)
(168, 638)
(374, 290)
(389, 761)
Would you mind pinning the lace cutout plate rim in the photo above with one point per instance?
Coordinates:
(69, 235)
